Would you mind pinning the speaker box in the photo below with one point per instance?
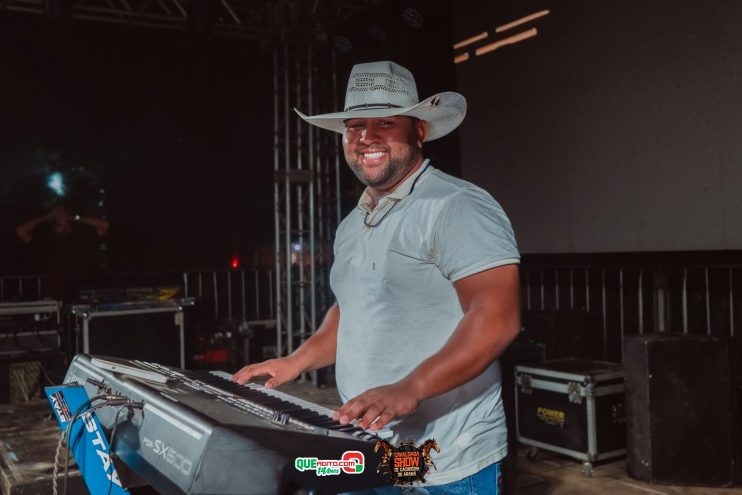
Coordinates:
(681, 410)
(24, 376)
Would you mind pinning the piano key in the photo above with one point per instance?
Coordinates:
(283, 402)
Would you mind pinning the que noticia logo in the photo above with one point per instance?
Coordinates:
(352, 462)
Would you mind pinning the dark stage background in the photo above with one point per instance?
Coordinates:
(177, 131)
(615, 129)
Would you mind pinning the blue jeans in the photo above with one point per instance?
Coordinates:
(485, 482)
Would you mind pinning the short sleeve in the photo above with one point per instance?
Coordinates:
(472, 234)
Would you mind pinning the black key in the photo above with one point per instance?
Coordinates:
(287, 408)
(307, 413)
(346, 428)
(324, 422)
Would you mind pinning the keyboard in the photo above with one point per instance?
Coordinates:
(201, 433)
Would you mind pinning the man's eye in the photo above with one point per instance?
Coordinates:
(354, 126)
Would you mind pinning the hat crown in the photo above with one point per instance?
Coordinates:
(378, 85)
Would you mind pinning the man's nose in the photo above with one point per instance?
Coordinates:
(369, 134)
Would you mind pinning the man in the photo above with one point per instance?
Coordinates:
(64, 247)
(426, 280)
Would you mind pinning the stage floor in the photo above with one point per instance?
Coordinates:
(28, 440)
(552, 474)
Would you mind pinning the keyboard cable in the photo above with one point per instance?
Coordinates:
(64, 438)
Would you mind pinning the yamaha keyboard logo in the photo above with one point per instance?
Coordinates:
(169, 455)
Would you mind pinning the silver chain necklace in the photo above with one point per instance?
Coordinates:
(372, 225)
(412, 188)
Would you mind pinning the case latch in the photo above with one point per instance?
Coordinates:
(525, 384)
(575, 395)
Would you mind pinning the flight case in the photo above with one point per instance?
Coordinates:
(574, 407)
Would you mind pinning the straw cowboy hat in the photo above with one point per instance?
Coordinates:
(386, 89)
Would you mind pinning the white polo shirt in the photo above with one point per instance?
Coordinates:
(398, 306)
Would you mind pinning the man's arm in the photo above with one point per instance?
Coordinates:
(316, 352)
(25, 230)
(100, 225)
(490, 301)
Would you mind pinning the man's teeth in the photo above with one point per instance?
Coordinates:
(374, 155)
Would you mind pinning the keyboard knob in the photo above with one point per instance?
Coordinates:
(280, 418)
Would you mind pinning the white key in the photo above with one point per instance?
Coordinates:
(325, 411)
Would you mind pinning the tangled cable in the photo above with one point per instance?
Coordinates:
(107, 400)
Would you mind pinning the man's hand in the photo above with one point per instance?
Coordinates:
(317, 351)
(376, 407)
(280, 371)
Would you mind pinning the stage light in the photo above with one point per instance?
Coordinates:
(507, 41)
(235, 263)
(56, 183)
(461, 58)
(520, 21)
(469, 41)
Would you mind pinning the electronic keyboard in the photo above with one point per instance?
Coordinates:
(198, 432)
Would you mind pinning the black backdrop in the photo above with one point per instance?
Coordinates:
(177, 131)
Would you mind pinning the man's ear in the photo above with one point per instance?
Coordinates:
(421, 127)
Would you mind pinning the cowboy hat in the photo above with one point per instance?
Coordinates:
(386, 89)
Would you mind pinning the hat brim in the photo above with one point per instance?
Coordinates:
(443, 112)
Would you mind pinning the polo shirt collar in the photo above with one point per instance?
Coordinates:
(399, 193)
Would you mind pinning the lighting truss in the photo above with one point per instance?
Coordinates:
(259, 19)
(306, 175)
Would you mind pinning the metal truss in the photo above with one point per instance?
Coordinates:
(306, 162)
(267, 20)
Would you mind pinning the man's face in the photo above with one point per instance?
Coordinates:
(381, 151)
(62, 220)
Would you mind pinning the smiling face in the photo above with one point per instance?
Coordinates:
(383, 151)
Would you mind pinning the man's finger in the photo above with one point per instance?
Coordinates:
(344, 414)
(356, 408)
(371, 414)
(242, 376)
(274, 382)
(383, 420)
(247, 373)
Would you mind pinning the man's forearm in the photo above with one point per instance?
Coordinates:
(466, 355)
(319, 350)
(25, 230)
(99, 224)
(490, 301)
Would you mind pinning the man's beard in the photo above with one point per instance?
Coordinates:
(397, 167)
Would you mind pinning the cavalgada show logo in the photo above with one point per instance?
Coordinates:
(407, 463)
(351, 462)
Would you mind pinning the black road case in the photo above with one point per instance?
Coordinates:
(574, 407)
